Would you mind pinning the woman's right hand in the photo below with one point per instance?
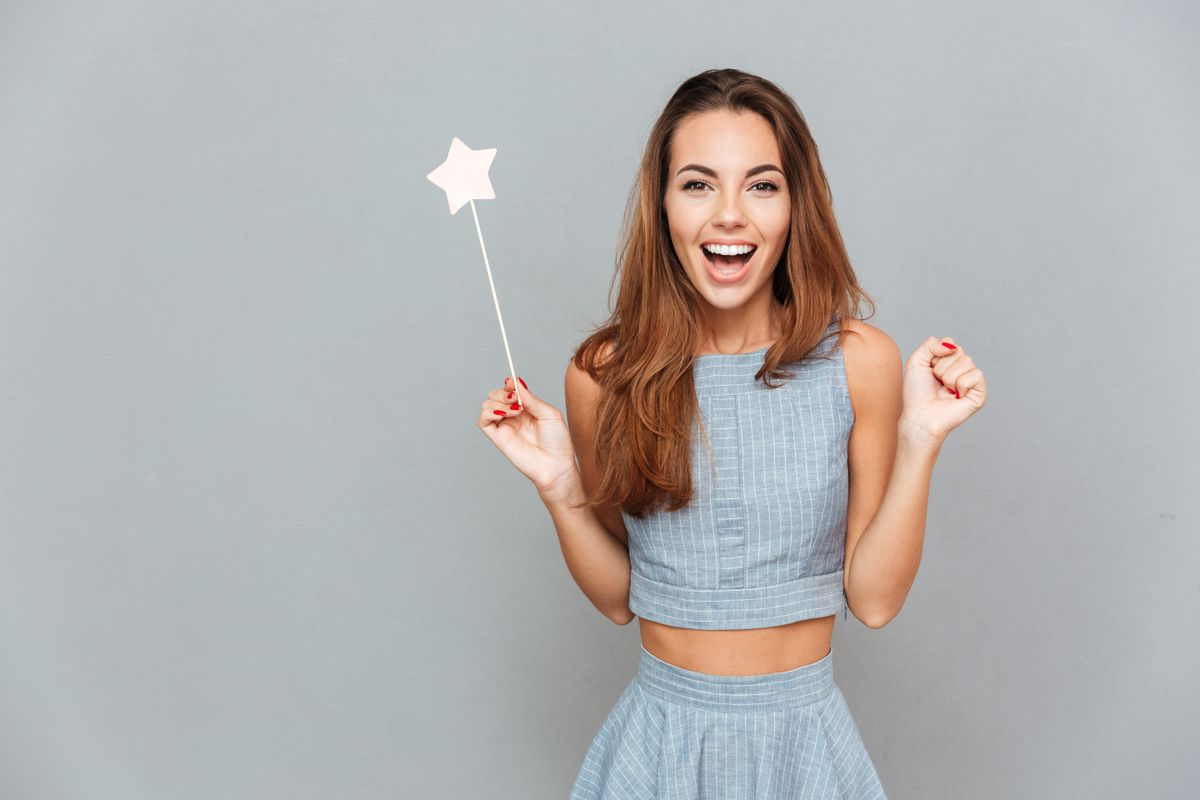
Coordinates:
(533, 437)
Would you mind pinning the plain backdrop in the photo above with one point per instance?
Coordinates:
(252, 543)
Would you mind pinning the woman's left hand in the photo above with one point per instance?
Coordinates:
(942, 387)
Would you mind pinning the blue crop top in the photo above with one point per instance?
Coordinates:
(763, 541)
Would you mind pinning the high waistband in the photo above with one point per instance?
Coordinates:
(772, 691)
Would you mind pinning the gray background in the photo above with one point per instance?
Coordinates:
(253, 545)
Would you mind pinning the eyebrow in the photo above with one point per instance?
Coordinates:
(749, 173)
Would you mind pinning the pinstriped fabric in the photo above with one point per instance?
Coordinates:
(676, 734)
(762, 543)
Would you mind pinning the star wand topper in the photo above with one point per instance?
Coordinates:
(463, 176)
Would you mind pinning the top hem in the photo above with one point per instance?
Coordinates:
(737, 608)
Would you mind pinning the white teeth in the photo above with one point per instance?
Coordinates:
(729, 249)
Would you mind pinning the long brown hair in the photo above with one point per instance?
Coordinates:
(648, 403)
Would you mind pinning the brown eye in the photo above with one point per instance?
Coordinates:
(770, 186)
(691, 183)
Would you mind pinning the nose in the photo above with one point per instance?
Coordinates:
(729, 211)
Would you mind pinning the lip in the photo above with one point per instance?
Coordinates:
(720, 277)
(728, 241)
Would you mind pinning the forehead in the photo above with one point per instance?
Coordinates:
(724, 140)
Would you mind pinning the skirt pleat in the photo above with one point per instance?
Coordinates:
(677, 734)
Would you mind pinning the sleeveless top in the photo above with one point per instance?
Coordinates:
(763, 540)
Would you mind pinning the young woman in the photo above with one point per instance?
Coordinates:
(752, 460)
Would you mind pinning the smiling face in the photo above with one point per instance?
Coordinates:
(725, 185)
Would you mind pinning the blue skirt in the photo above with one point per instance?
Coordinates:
(676, 734)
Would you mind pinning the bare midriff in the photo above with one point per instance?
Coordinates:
(754, 651)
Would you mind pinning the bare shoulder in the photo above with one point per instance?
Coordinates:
(874, 364)
(579, 387)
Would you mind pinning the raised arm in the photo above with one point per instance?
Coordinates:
(903, 413)
(593, 542)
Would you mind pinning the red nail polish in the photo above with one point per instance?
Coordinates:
(522, 380)
(956, 394)
(510, 395)
(515, 407)
(498, 411)
(947, 344)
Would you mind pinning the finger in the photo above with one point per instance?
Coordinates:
(946, 367)
(487, 421)
(501, 409)
(951, 369)
(535, 406)
(933, 350)
(971, 379)
(944, 352)
(490, 418)
(505, 396)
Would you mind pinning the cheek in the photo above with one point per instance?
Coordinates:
(685, 220)
(681, 242)
(775, 226)
(684, 230)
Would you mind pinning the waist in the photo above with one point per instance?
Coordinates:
(754, 651)
(731, 694)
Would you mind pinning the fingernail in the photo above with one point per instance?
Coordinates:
(498, 411)
(522, 380)
(510, 395)
(515, 407)
(947, 344)
(956, 394)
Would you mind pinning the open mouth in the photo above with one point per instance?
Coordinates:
(728, 265)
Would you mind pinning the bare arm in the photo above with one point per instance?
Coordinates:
(596, 559)
(596, 556)
(890, 473)
(902, 416)
(889, 552)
